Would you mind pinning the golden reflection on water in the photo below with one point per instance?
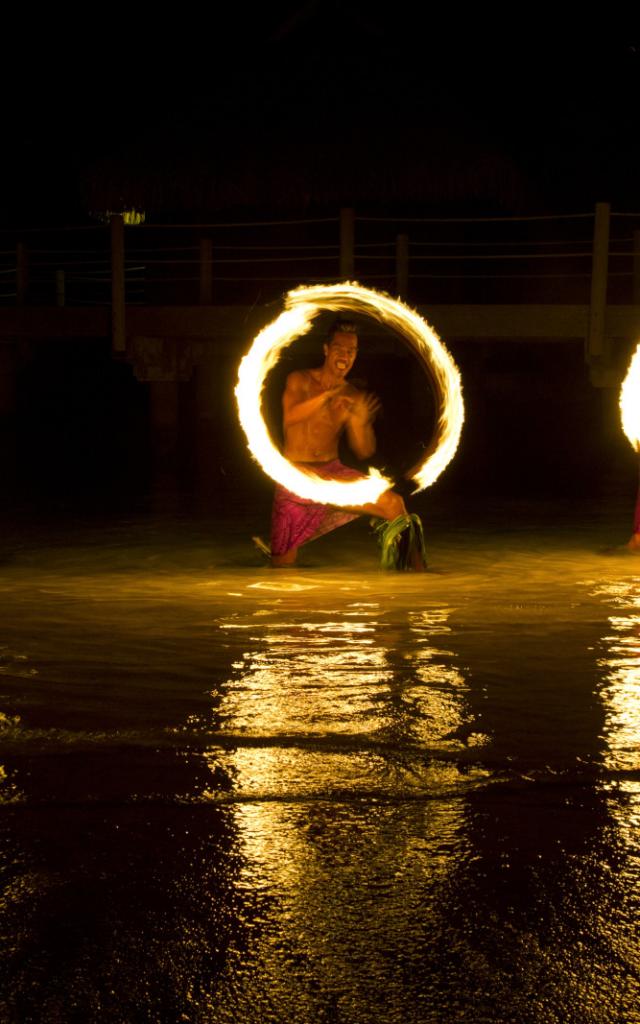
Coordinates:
(359, 700)
(437, 688)
(620, 689)
(9, 793)
(302, 677)
(349, 888)
(360, 674)
(342, 729)
(625, 811)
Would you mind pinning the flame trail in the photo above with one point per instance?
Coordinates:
(301, 307)
(630, 401)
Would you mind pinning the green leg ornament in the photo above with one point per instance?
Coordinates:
(401, 542)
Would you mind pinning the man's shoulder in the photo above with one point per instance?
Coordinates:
(299, 378)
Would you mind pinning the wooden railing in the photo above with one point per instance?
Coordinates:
(554, 258)
(587, 262)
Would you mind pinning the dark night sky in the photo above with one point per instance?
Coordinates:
(335, 80)
(562, 108)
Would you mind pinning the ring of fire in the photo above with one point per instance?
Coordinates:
(630, 401)
(302, 306)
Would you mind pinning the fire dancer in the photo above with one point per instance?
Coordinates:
(319, 406)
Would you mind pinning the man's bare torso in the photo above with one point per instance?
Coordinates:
(316, 438)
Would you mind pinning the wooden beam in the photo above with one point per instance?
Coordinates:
(241, 323)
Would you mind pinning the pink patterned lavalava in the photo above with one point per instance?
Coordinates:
(296, 521)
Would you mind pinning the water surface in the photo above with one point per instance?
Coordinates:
(234, 794)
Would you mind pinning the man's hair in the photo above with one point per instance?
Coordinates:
(341, 327)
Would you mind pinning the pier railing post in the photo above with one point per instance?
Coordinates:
(60, 288)
(596, 344)
(118, 331)
(635, 297)
(402, 266)
(206, 271)
(22, 273)
(347, 236)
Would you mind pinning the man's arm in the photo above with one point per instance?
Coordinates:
(296, 405)
(360, 435)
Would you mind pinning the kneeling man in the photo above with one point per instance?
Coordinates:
(319, 406)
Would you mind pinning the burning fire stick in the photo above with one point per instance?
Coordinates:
(630, 412)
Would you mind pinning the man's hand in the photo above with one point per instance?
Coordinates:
(337, 391)
(360, 433)
(364, 408)
(340, 399)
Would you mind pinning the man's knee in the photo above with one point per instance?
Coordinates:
(287, 559)
(392, 505)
